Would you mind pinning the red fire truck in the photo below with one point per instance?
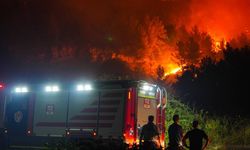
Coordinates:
(116, 109)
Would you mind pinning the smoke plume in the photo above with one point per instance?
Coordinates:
(141, 35)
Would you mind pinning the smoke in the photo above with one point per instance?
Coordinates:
(143, 34)
(222, 19)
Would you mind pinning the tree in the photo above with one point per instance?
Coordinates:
(220, 87)
(160, 73)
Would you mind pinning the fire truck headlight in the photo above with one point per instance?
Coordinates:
(86, 87)
(24, 89)
(18, 90)
(48, 89)
(53, 88)
(21, 90)
(79, 87)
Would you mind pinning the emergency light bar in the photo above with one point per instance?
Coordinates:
(53, 88)
(21, 90)
(86, 87)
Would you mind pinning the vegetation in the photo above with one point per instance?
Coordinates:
(220, 87)
(222, 131)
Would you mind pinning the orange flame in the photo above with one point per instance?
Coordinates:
(173, 71)
(156, 47)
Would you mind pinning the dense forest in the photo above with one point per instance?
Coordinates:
(221, 87)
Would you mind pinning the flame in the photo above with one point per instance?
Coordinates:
(148, 61)
(158, 48)
(149, 66)
(219, 45)
(173, 71)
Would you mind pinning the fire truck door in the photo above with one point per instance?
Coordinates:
(145, 107)
(17, 114)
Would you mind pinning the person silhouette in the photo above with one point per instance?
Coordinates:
(148, 133)
(175, 134)
(195, 137)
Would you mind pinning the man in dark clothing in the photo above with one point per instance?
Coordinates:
(175, 134)
(195, 137)
(148, 133)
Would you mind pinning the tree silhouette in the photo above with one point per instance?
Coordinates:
(160, 72)
(220, 87)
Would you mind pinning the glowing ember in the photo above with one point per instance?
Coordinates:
(219, 45)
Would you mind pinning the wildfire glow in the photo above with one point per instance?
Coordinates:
(219, 45)
(173, 71)
(172, 47)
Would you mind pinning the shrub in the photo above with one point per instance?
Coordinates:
(222, 131)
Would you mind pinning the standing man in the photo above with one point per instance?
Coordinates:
(195, 137)
(148, 133)
(175, 134)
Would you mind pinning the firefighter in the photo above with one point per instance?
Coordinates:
(149, 138)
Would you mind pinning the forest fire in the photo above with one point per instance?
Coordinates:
(219, 45)
(173, 43)
(153, 33)
(156, 52)
(173, 71)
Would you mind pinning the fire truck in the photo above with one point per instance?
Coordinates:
(116, 109)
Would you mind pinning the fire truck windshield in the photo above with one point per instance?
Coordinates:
(147, 91)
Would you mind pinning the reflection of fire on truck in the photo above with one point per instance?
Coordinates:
(116, 109)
